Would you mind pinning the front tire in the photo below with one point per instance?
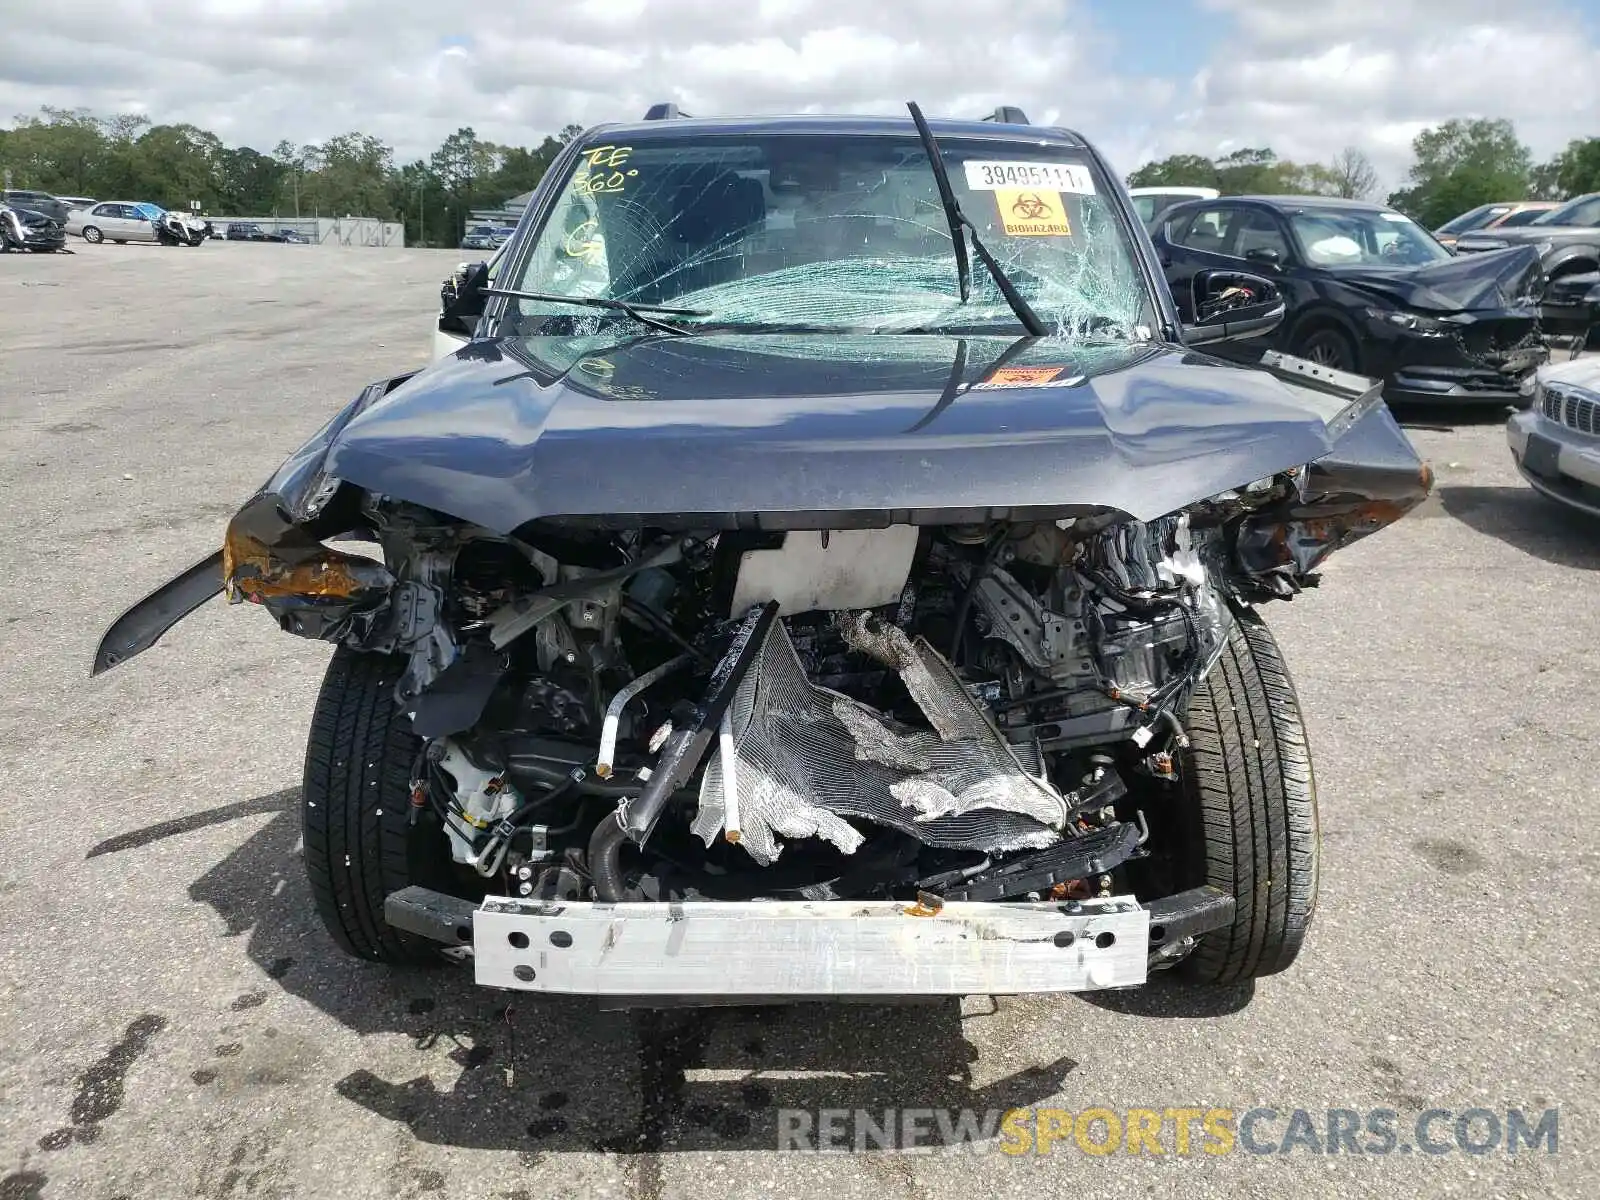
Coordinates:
(1327, 347)
(360, 844)
(1249, 788)
(92, 235)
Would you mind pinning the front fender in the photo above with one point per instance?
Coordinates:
(280, 506)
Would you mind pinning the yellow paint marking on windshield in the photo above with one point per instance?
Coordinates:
(610, 157)
(592, 183)
(603, 170)
(584, 242)
(1027, 213)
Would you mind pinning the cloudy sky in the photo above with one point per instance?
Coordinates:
(1143, 78)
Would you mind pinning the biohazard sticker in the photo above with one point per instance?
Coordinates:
(1028, 213)
(1026, 377)
(1022, 376)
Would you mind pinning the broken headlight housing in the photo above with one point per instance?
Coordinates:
(1410, 322)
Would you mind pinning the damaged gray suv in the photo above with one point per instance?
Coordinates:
(828, 570)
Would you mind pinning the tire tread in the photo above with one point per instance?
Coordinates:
(356, 816)
(1248, 769)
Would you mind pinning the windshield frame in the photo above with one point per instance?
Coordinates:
(1155, 297)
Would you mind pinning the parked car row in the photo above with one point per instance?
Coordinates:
(487, 237)
(39, 221)
(1493, 216)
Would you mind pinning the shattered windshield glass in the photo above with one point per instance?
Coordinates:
(835, 233)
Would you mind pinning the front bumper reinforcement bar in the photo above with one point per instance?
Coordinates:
(802, 949)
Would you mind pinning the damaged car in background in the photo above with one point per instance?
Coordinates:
(829, 570)
(1567, 240)
(1369, 291)
(25, 229)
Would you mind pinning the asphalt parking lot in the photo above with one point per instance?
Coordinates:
(174, 1022)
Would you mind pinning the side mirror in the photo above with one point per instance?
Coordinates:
(461, 299)
(1264, 255)
(1232, 305)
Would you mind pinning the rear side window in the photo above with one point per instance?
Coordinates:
(1209, 230)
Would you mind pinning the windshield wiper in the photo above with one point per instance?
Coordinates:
(639, 312)
(958, 221)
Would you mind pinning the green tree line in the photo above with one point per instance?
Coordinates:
(74, 152)
(1457, 166)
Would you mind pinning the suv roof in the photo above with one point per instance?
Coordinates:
(813, 123)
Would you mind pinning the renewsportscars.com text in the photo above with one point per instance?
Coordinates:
(1181, 1132)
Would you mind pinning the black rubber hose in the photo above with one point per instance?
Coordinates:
(990, 556)
(605, 860)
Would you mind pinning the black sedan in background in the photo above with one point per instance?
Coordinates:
(1370, 291)
(249, 231)
(25, 229)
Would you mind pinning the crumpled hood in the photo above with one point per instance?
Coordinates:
(1495, 280)
(784, 431)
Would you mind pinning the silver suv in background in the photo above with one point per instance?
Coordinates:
(1556, 440)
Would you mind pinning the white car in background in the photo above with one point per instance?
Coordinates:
(1151, 202)
(1556, 440)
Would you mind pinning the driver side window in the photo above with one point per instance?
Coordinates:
(1259, 232)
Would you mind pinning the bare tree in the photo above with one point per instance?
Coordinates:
(1352, 175)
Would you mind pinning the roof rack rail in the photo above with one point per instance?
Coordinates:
(664, 112)
(1008, 114)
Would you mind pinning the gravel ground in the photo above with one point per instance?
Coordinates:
(176, 1023)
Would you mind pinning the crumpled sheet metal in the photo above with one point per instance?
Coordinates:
(807, 758)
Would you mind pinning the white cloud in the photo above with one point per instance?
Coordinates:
(1305, 79)
(412, 71)
(1310, 79)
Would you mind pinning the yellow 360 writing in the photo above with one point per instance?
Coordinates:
(604, 170)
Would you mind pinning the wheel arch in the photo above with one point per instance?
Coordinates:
(1322, 316)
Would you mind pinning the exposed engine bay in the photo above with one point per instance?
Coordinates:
(797, 697)
(974, 712)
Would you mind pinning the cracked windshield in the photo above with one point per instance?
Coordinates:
(833, 234)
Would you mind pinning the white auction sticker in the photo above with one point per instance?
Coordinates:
(984, 175)
(1400, 217)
